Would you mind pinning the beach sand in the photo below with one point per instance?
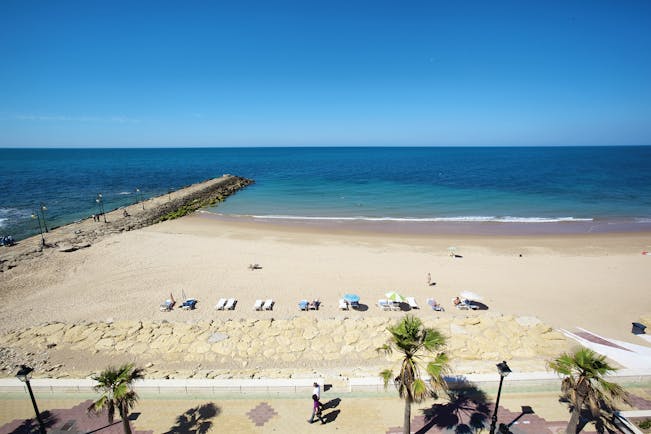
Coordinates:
(599, 281)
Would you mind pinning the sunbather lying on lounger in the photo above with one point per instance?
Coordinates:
(168, 304)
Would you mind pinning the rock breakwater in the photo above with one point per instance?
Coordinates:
(267, 347)
(85, 232)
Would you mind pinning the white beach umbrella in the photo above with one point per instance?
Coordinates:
(469, 295)
(394, 296)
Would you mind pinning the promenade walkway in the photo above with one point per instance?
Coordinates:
(531, 408)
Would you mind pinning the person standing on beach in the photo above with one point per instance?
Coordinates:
(429, 279)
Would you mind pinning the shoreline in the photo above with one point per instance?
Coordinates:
(445, 227)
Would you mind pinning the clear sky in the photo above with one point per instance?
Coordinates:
(112, 73)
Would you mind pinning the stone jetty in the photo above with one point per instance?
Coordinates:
(84, 233)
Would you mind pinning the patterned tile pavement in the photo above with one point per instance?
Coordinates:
(71, 420)
(261, 414)
(344, 413)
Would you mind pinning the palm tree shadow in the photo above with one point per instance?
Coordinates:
(30, 426)
(466, 412)
(196, 420)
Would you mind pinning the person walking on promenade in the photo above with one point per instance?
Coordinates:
(317, 392)
(316, 409)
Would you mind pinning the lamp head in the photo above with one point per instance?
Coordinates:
(503, 369)
(25, 373)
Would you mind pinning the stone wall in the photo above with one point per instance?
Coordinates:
(259, 347)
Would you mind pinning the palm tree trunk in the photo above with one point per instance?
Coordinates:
(573, 424)
(125, 421)
(406, 424)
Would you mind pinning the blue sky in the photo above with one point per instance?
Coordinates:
(306, 73)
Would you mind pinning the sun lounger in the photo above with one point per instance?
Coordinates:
(258, 305)
(434, 305)
(412, 303)
(255, 267)
(230, 304)
(268, 305)
(167, 305)
(220, 304)
(394, 305)
(343, 305)
(466, 305)
(303, 304)
(189, 304)
(383, 304)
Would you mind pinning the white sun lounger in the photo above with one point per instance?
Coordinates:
(258, 305)
(342, 304)
(230, 304)
(220, 304)
(268, 305)
(383, 304)
(412, 303)
(466, 305)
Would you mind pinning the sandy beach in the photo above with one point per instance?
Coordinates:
(598, 281)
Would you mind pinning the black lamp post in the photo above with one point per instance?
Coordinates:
(503, 370)
(35, 216)
(43, 209)
(24, 375)
(100, 204)
(139, 197)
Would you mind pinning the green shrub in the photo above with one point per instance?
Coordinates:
(645, 424)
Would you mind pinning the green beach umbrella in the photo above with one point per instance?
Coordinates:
(394, 296)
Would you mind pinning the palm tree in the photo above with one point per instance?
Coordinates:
(584, 384)
(115, 386)
(410, 338)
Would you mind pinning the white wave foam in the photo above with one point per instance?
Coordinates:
(642, 220)
(2, 222)
(507, 219)
(124, 193)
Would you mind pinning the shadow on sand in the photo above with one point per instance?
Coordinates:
(196, 420)
(478, 305)
(31, 425)
(466, 412)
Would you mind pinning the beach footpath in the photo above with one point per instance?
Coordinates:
(83, 233)
(528, 405)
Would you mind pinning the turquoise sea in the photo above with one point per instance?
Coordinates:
(558, 189)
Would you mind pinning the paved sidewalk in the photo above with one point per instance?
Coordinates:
(288, 413)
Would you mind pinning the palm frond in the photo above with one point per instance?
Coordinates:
(387, 375)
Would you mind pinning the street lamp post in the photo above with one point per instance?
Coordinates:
(24, 375)
(43, 209)
(100, 203)
(503, 370)
(139, 198)
(35, 216)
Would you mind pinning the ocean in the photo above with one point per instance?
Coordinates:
(558, 188)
